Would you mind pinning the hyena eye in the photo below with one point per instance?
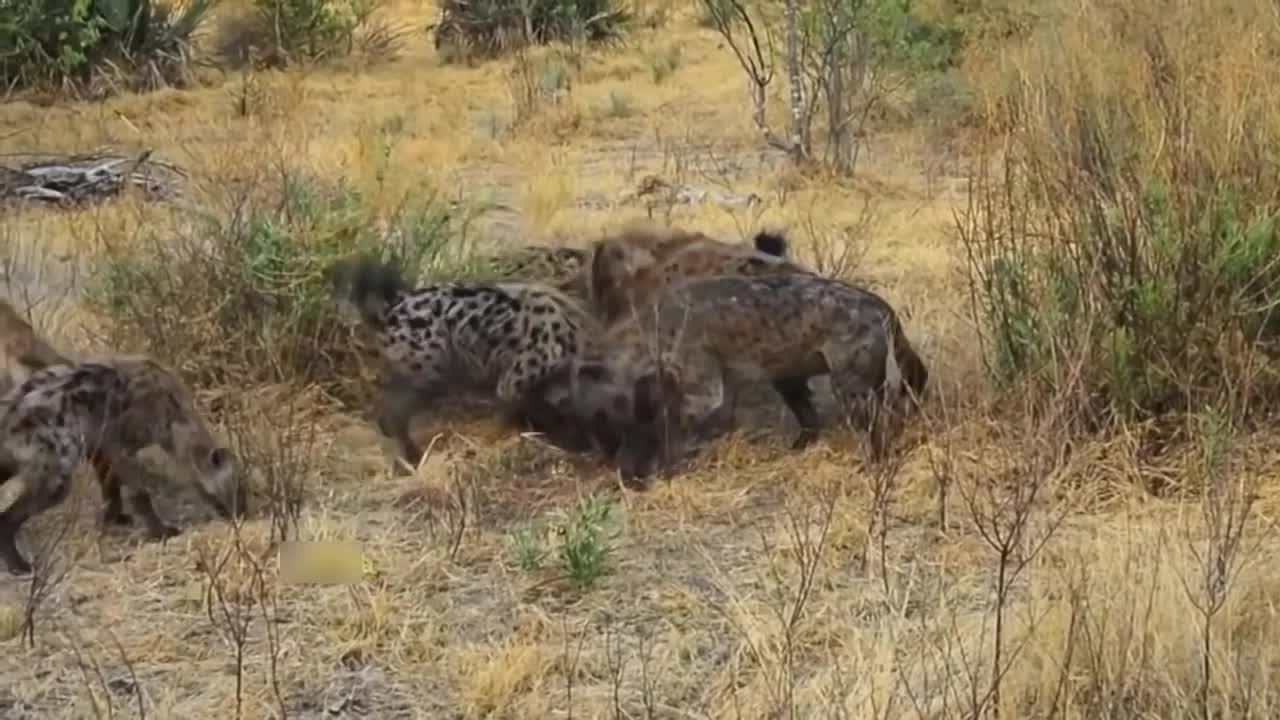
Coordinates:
(219, 457)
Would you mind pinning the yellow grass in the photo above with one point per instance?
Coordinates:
(693, 618)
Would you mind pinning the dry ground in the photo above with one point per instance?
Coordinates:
(753, 586)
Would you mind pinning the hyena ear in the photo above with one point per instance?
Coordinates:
(219, 457)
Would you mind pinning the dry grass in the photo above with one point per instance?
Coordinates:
(759, 583)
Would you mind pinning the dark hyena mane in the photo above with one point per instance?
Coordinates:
(499, 338)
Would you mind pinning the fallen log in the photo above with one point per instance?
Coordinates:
(85, 179)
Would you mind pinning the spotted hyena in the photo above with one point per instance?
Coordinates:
(500, 339)
(22, 351)
(629, 269)
(105, 410)
(635, 392)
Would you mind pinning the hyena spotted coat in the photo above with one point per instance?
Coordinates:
(104, 410)
(784, 329)
(501, 338)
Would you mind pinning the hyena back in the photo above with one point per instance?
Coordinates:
(783, 329)
(629, 270)
(501, 338)
(105, 410)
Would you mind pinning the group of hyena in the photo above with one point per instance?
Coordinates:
(609, 357)
(602, 350)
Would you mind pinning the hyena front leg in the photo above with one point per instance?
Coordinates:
(719, 420)
(402, 399)
(796, 394)
(43, 484)
(857, 373)
(109, 481)
(129, 475)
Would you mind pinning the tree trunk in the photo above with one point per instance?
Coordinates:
(838, 105)
(798, 149)
(847, 76)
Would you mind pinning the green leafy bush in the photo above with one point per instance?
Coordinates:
(245, 297)
(487, 28)
(284, 31)
(136, 44)
(1125, 255)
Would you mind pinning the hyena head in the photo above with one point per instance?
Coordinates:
(613, 265)
(367, 284)
(616, 260)
(633, 412)
(159, 396)
(631, 268)
(904, 368)
(213, 466)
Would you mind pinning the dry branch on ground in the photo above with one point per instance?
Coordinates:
(80, 179)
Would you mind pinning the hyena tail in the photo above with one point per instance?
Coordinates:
(369, 284)
(771, 242)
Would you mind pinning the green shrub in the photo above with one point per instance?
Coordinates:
(992, 22)
(537, 83)
(134, 44)
(486, 28)
(287, 31)
(581, 538)
(1125, 257)
(246, 297)
(586, 535)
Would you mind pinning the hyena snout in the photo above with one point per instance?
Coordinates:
(651, 437)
